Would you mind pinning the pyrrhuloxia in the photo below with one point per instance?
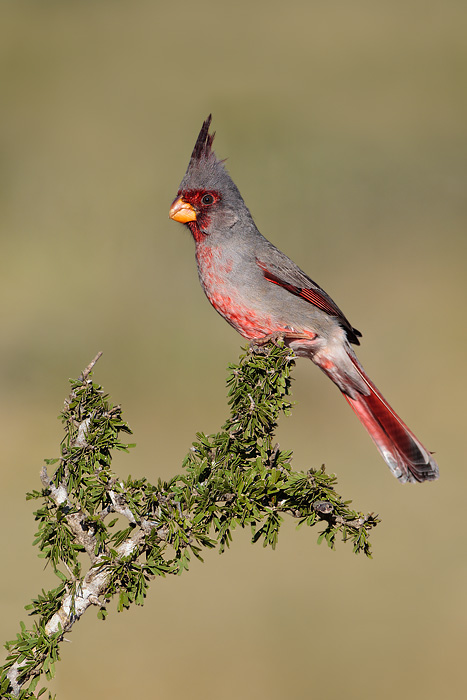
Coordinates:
(262, 293)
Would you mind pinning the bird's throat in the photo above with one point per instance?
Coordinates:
(196, 232)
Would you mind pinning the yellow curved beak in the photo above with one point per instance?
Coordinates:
(182, 211)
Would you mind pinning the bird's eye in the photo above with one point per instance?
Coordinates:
(207, 199)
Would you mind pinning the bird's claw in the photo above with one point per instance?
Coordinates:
(278, 338)
(257, 344)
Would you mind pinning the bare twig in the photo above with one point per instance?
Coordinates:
(87, 371)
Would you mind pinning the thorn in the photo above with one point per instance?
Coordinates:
(86, 372)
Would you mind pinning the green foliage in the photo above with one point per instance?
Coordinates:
(107, 537)
(36, 652)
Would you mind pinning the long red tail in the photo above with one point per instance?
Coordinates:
(402, 452)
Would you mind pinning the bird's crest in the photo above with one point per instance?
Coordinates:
(205, 171)
(203, 143)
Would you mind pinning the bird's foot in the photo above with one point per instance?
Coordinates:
(278, 338)
(257, 343)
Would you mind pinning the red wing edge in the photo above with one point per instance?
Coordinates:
(317, 297)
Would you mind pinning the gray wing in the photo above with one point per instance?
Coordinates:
(278, 269)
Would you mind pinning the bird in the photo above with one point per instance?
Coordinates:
(265, 296)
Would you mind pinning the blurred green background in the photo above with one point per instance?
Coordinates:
(345, 128)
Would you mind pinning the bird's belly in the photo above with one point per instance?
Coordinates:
(241, 316)
(254, 310)
(229, 300)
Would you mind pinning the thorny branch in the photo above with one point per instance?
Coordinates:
(236, 477)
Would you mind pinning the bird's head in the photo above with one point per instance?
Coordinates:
(207, 201)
